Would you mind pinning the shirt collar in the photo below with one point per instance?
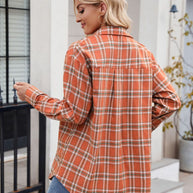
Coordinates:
(111, 30)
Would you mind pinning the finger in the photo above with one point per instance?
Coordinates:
(20, 83)
(15, 86)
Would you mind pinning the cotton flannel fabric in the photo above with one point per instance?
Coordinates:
(106, 116)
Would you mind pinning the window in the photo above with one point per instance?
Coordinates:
(14, 61)
(14, 45)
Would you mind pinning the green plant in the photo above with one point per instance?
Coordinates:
(180, 73)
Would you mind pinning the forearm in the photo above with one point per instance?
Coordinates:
(53, 108)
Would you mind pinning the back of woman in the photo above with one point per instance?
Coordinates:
(120, 122)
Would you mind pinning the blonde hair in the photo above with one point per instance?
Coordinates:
(116, 14)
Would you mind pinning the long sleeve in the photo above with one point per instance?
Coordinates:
(77, 100)
(165, 99)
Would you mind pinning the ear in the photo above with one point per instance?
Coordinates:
(103, 8)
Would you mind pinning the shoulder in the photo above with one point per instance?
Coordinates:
(149, 56)
(77, 51)
(144, 55)
(84, 43)
(142, 48)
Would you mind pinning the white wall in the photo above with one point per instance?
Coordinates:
(39, 67)
(49, 42)
(134, 13)
(74, 29)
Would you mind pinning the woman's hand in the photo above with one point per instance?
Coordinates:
(21, 88)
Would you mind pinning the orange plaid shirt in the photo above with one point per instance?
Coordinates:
(115, 94)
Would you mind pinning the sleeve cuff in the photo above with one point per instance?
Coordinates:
(31, 95)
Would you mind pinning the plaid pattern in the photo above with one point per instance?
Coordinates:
(106, 116)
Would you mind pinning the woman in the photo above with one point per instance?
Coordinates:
(106, 116)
